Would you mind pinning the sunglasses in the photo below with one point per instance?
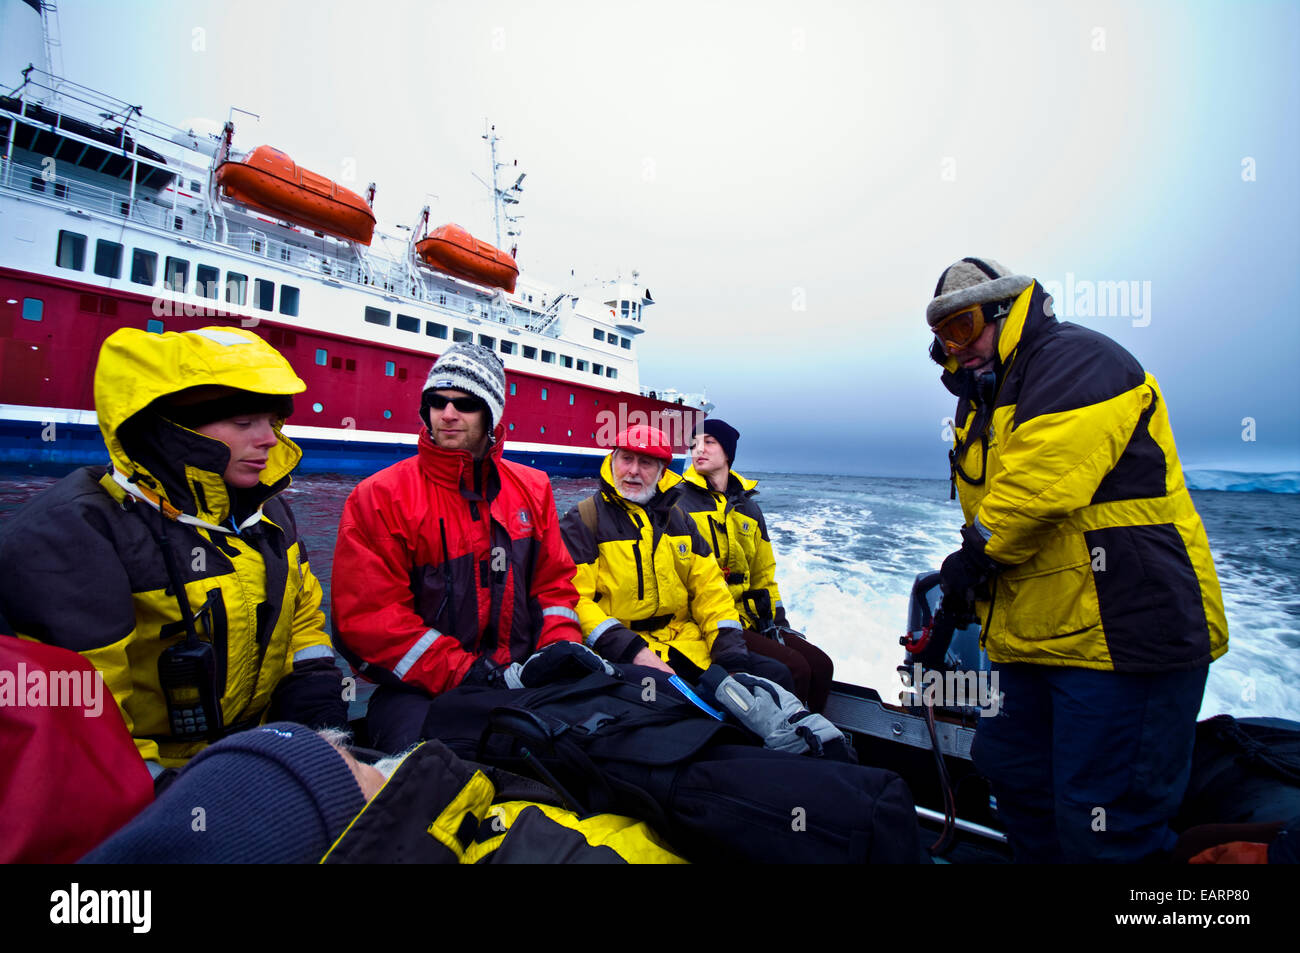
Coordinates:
(961, 328)
(466, 405)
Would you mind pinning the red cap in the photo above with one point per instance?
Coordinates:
(647, 440)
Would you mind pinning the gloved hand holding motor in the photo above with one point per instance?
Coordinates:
(963, 577)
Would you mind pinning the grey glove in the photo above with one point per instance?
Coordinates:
(772, 713)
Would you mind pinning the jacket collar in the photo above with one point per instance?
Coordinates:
(457, 469)
(735, 482)
(181, 473)
(1030, 320)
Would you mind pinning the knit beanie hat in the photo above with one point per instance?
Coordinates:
(725, 434)
(972, 281)
(275, 794)
(475, 370)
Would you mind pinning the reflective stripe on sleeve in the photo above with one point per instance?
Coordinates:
(598, 631)
(561, 611)
(155, 769)
(415, 652)
(728, 624)
(313, 651)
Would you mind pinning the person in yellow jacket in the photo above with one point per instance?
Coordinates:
(649, 591)
(722, 503)
(1086, 563)
(177, 571)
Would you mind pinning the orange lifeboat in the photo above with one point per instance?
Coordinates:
(455, 251)
(272, 182)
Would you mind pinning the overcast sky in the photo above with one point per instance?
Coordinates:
(790, 179)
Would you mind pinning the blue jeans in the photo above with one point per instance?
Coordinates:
(1089, 766)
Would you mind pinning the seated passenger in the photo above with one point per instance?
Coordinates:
(177, 571)
(650, 592)
(449, 565)
(722, 503)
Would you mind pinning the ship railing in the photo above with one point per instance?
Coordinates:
(41, 182)
(545, 322)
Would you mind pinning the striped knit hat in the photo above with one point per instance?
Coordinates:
(475, 370)
(973, 281)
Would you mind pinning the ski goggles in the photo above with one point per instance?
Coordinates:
(961, 328)
(466, 405)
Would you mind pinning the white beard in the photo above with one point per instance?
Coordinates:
(641, 498)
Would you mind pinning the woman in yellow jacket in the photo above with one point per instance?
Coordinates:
(177, 571)
(722, 504)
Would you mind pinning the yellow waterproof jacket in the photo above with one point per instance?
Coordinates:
(1066, 466)
(733, 526)
(646, 577)
(82, 565)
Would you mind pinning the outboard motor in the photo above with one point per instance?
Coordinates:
(938, 648)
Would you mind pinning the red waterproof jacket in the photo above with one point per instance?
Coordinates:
(439, 561)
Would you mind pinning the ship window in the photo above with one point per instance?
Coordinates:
(33, 309)
(507, 347)
(89, 304)
(627, 344)
(512, 389)
(194, 185)
(207, 280)
(611, 372)
(285, 254)
(542, 428)
(512, 426)
(379, 316)
(124, 208)
(461, 337)
(548, 357)
(401, 373)
(530, 352)
(570, 399)
(349, 365)
(566, 360)
(178, 223)
(623, 308)
(582, 365)
(543, 393)
(322, 357)
(388, 415)
(144, 266)
(598, 334)
(597, 369)
(289, 300)
(236, 288)
(72, 250)
(108, 259)
(487, 341)
(178, 274)
(264, 294)
(38, 183)
(336, 363)
(570, 433)
(154, 326)
(435, 330)
(317, 407)
(390, 368)
(407, 323)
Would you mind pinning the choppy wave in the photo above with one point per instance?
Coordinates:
(1231, 481)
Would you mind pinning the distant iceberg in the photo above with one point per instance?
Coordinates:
(1287, 481)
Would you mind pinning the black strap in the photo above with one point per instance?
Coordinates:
(650, 624)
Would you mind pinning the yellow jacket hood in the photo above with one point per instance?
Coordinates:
(137, 368)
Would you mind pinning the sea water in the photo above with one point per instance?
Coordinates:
(849, 547)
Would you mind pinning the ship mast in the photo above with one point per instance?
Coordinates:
(503, 197)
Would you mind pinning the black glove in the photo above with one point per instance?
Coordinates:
(485, 673)
(729, 650)
(964, 573)
(562, 660)
(780, 619)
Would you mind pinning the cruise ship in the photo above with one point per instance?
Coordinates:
(110, 218)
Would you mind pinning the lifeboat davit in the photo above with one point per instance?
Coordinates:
(458, 253)
(269, 180)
